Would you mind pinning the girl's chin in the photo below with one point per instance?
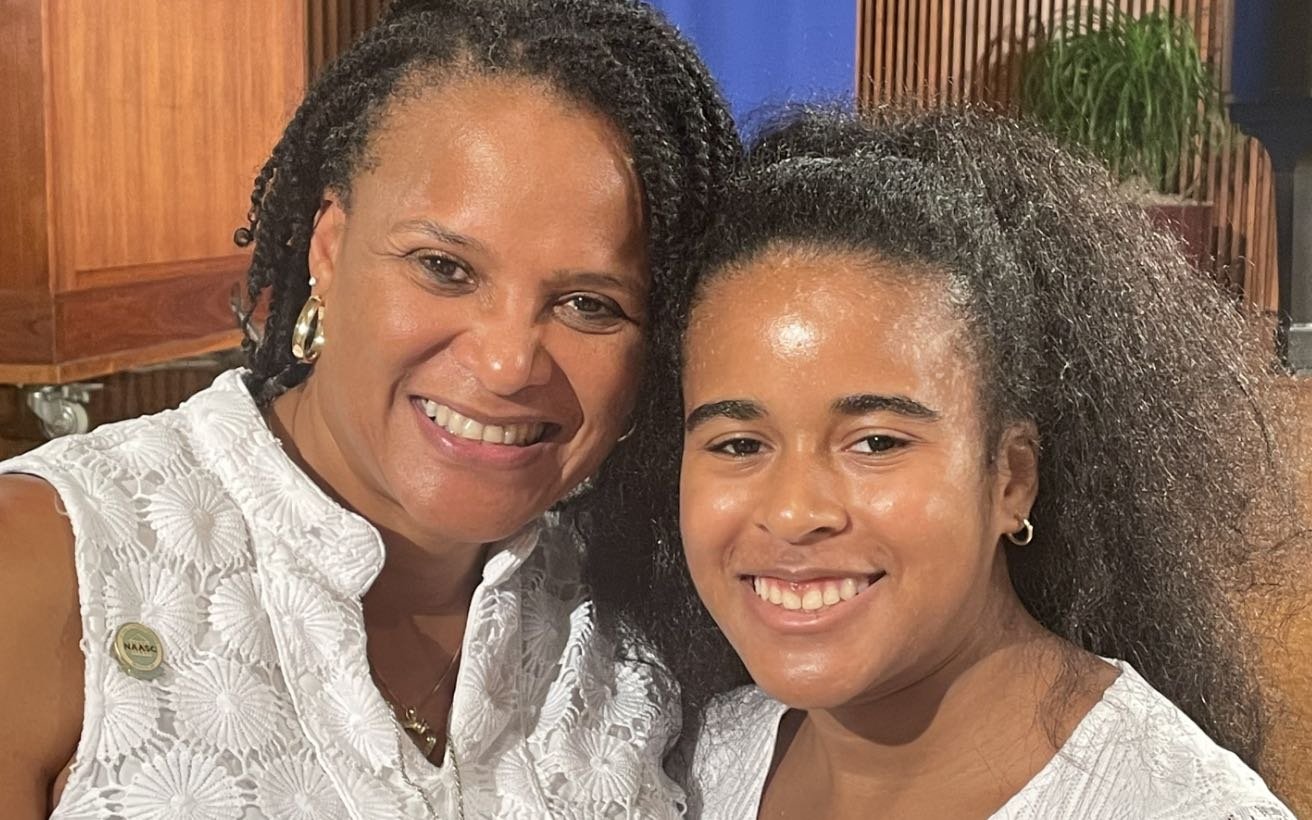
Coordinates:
(807, 691)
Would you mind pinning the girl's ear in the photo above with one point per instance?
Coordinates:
(1017, 477)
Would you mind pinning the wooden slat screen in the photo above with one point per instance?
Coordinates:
(333, 25)
(923, 53)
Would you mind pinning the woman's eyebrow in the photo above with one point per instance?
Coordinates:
(562, 280)
(736, 409)
(432, 229)
(862, 403)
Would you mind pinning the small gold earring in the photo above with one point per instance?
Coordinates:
(307, 337)
(1024, 535)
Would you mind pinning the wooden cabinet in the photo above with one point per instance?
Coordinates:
(130, 132)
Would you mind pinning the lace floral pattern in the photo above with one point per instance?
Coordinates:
(195, 523)
(1134, 755)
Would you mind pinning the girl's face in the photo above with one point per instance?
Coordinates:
(840, 508)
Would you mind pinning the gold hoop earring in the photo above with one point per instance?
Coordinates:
(307, 337)
(627, 433)
(1024, 535)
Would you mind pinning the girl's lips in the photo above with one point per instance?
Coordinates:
(808, 607)
(476, 453)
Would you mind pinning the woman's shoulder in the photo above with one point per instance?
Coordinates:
(1137, 754)
(41, 688)
(146, 443)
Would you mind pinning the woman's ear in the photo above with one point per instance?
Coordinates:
(1017, 476)
(326, 241)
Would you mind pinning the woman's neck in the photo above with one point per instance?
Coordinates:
(959, 742)
(423, 573)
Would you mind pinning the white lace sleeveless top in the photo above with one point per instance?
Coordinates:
(195, 523)
(1135, 756)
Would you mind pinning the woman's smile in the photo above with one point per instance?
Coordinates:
(482, 441)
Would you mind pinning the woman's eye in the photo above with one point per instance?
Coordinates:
(878, 444)
(738, 447)
(590, 312)
(444, 270)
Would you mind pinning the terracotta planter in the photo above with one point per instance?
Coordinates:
(1191, 222)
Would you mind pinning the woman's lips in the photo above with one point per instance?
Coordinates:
(465, 449)
(507, 433)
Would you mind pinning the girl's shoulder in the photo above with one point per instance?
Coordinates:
(1137, 754)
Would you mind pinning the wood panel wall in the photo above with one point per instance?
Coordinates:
(129, 136)
(329, 27)
(921, 53)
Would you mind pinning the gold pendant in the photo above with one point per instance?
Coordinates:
(418, 730)
(412, 723)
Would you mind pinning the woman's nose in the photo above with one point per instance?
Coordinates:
(802, 503)
(505, 353)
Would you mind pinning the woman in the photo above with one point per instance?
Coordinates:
(968, 458)
(323, 587)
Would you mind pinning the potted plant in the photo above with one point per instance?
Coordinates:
(1137, 93)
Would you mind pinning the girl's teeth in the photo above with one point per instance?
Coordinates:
(809, 596)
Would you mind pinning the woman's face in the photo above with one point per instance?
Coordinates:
(840, 515)
(485, 292)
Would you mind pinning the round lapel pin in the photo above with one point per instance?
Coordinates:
(139, 651)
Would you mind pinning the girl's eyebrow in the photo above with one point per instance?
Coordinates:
(736, 409)
(861, 403)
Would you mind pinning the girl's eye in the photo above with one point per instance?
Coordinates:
(878, 444)
(444, 270)
(590, 312)
(738, 447)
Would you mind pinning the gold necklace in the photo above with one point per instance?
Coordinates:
(408, 716)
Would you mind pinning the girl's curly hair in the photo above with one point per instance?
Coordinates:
(1154, 392)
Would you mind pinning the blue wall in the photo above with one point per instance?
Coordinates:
(769, 52)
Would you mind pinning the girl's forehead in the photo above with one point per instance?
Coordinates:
(827, 325)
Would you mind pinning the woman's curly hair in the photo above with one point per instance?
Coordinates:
(617, 57)
(1155, 394)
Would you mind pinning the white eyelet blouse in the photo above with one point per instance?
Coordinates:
(195, 523)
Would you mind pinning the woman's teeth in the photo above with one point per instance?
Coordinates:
(808, 596)
(515, 435)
